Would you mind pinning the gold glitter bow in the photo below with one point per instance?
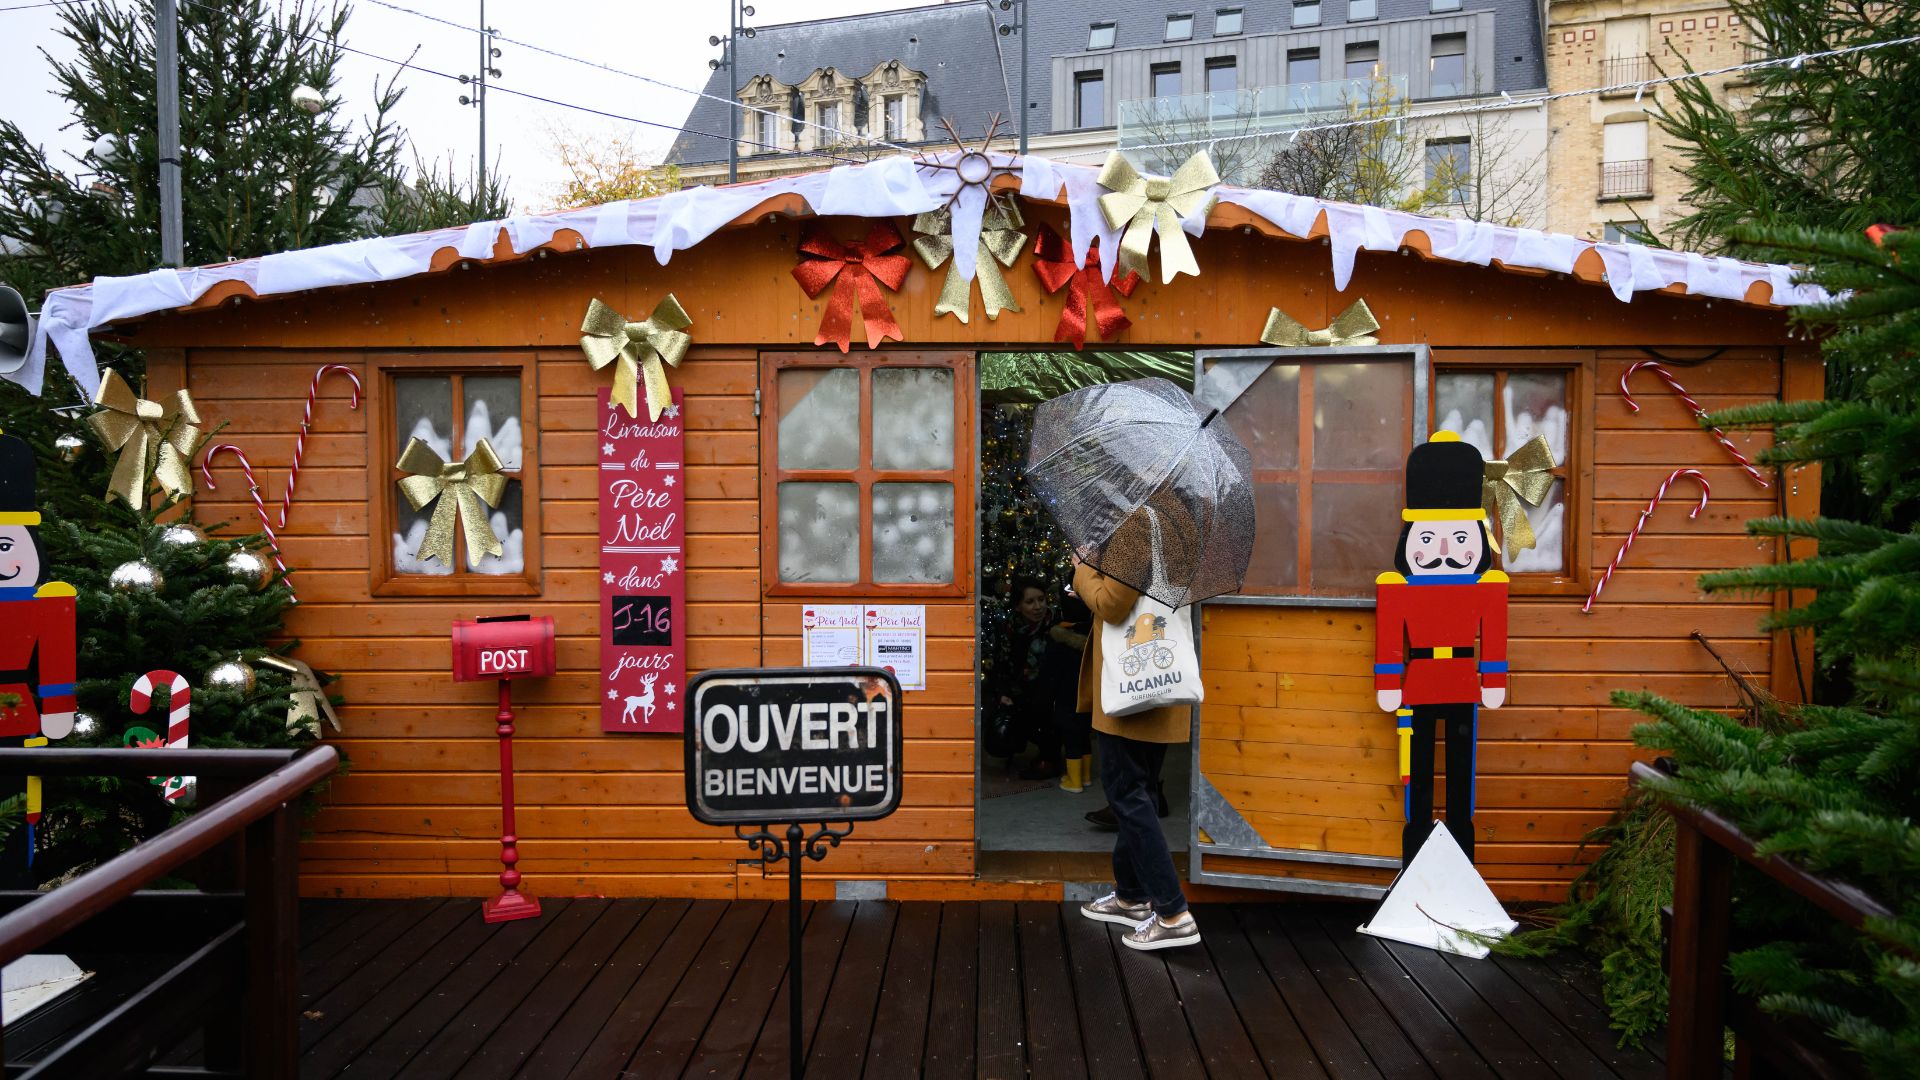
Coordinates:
(642, 348)
(149, 436)
(462, 487)
(1149, 204)
(1526, 474)
(1000, 239)
(1354, 326)
(308, 704)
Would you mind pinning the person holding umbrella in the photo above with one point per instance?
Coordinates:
(1155, 499)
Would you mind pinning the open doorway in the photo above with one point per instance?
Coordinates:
(1030, 630)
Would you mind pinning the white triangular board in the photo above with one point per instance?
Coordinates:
(1439, 894)
(33, 980)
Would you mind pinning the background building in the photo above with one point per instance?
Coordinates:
(1610, 168)
(1159, 78)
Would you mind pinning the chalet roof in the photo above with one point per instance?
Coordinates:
(890, 188)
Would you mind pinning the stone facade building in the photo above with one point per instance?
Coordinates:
(1610, 168)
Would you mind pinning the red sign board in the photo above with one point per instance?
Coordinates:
(643, 555)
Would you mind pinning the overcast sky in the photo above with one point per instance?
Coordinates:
(663, 39)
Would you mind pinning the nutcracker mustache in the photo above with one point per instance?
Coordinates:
(1457, 564)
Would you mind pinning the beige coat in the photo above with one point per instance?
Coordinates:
(1111, 602)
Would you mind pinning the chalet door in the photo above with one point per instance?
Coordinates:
(1296, 772)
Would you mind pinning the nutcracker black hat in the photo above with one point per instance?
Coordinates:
(1444, 477)
(19, 501)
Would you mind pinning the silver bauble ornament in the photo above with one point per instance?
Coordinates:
(138, 576)
(182, 534)
(307, 99)
(70, 447)
(84, 723)
(249, 569)
(231, 675)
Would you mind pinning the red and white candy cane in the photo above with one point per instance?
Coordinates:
(253, 488)
(180, 703)
(1705, 491)
(306, 421)
(1674, 384)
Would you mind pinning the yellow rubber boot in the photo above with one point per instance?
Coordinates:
(1075, 779)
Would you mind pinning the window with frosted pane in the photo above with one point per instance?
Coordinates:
(1499, 412)
(1328, 441)
(913, 534)
(912, 418)
(819, 532)
(452, 414)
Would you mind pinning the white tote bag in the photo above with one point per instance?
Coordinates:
(1149, 661)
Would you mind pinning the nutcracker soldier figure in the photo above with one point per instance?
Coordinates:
(1440, 647)
(36, 638)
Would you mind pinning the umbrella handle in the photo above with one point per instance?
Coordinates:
(1211, 413)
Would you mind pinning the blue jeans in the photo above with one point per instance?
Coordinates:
(1142, 866)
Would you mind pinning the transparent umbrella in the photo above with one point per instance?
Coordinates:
(1151, 488)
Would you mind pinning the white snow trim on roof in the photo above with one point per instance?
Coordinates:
(890, 188)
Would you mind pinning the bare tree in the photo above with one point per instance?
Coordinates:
(1171, 130)
(1374, 153)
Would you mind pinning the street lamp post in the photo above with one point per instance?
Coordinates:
(166, 31)
(729, 49)
(1019, 26)
(489, 52)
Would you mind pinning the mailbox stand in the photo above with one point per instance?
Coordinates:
(511, 903)
(797, 846)
(505, 648)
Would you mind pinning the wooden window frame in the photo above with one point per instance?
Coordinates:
(1303, 475)
(961, 474)
(1575, 579)
(384, 447)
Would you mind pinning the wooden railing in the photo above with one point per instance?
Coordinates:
(1705, 847)
(238, 979)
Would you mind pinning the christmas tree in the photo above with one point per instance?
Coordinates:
(1018, 541)
(156, 593)
(259, 172)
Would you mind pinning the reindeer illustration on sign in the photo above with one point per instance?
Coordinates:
(642, 701)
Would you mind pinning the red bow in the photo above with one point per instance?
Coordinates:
(852, 270)
(1053, 262)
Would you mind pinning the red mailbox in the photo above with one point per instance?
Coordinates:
(505, 647)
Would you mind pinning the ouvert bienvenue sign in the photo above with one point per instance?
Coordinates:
(643, 568)
(787, 745)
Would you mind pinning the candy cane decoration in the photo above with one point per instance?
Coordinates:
(253, 487)
(306, 421)
(1674, 385)
(1705, 491)
(179, 705)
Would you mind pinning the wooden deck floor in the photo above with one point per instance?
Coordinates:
(667, 988)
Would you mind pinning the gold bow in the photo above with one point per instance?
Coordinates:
(641, 348)
(1354, 326)
(1146, 205)
(1000, 238)
(461, 487)
(1526, 474)
(149, 436)
(308, 704)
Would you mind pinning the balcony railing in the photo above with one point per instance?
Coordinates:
(1255, 110)
(1626, 179)
(1620, 70)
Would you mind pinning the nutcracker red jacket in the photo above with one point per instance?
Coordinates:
(40, 636)
(1425, 631)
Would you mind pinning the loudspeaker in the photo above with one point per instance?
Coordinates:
(16, 330)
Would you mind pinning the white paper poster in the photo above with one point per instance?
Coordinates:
(897, 641)
(830, 635)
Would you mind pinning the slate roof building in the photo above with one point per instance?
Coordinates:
(1159, 78)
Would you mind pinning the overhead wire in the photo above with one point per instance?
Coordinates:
(495, 88)
(610, 69)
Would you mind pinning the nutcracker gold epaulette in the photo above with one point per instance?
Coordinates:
(1390, 578)
(1494, 577)
(55, 588)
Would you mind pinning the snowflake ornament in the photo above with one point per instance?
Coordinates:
(669, 564)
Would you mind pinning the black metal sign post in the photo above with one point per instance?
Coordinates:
(793, 745)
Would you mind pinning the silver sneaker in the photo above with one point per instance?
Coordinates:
(1110, 908)
(1153, 933)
